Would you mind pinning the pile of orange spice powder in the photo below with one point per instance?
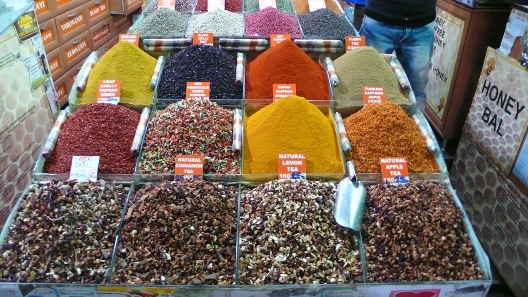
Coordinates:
(385, 130)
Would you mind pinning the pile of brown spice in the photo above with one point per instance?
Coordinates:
(385, 130)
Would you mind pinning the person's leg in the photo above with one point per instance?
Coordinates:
(359, 13)
(415, 56)
(384, 38)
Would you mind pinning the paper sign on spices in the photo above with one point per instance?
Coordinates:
(198, 90)
(372, 95)
(132, 38)
(215, 4)
(265, 3)
(352, 42)
(203, 38)
(278, 38)
(189, 166)
(109, 91)
(394, 170)
(84, 168)
(316, 4)
(171, 4)
(292, 166)
(283, 90)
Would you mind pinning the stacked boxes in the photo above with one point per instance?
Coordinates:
(72, 29)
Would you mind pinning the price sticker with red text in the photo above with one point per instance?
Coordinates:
(132, 38)
(189, 167)
(109, 91)
(292, 166)
(352, 42)
(198, 90)
(283, 90)
(203, 38)
(372, 95)
(171, 4)
(278, 38)
(394, 170)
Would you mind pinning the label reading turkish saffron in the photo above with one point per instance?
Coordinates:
(171, 4)
(198, 90)
(283, 90)
(292, 166)
(84, 168)
(394, 170)
(203, 38)
(352, 42)
(188, 167)
(132, 38)
(278, 38)
(109, 91)
(215, 4)
(316, 4)
(265, 3)
(372, 95)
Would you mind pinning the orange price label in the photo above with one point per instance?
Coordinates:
(372, 95)
(215, 4)
(316, 4)
(278, 38)
(109, 91)
(198, 90)
(292, 166)
(132, 38)
(265, 3)
(394, 170)
(203, 38)
(189, 166)
(351, 42)
(283, 90)
(167, 4)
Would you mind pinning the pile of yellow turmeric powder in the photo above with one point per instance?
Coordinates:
(291, 125)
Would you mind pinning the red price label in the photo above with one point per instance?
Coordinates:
(189, 166)
(283, 90)
(203, 38)
(109, 91)
(394, 170)
(292, 166)
(352, 42)
(278, 38)
(372, 95)
(198, 90)
(132, 38)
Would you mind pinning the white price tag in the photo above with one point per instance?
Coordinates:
(84, 168)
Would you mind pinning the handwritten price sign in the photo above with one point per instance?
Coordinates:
(84, 168)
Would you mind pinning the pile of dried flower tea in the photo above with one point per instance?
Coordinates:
(385, 130)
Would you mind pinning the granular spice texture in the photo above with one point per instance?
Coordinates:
(230, 5)
(164, 22)
(364, 66)
(282, 5)
(128, 63)
(415, 233)
(201, 63)
(179, 233)
(289, 236)
(290, 125)
(221, 23)
(269, 21)
(286, 63)
(385, 130)
(324, 23)
(190, 127)
(97, 129)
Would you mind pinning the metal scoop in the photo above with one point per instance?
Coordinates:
(350, 200)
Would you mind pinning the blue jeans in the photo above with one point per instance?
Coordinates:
(413, 47)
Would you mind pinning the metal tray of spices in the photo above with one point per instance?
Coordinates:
(316, 57)
(478, 252)
(217, 25)
(63, 232)
(74, 100)
(442, 175)
(40, 175)
(178, 233)
(157, 177)
(352, 106)
(324, 106)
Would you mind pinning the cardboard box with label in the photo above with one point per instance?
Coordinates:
(63, 88)
(56, 63)
(77, 49)
(71, 23)
(124, 7)
(101, 33)
(50, 37)
(97, 11)
(44, 9)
